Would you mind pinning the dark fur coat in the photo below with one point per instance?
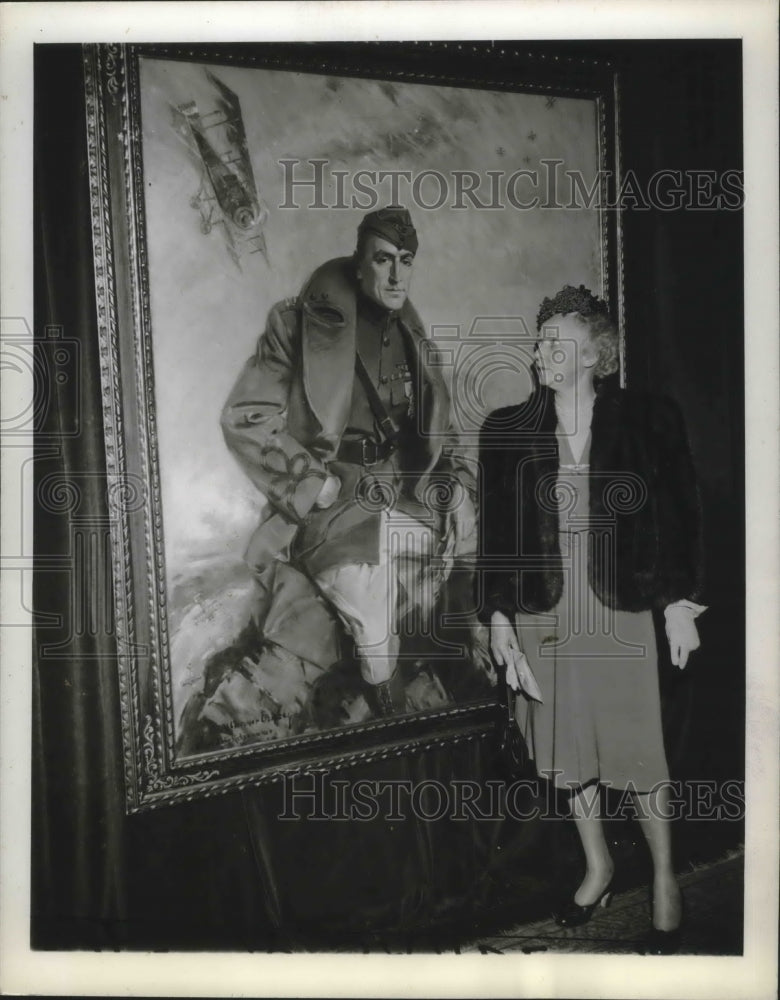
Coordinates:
(644, 506)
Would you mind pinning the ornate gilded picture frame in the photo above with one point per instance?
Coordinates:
(220, 179)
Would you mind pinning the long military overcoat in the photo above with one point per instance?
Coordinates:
(286, 414)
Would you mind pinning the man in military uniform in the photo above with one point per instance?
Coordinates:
(343, 423)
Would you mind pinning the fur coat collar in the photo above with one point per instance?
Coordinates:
(644, 506)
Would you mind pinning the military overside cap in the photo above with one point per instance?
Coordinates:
(393, 224)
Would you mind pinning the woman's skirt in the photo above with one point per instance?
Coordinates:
(598, 673)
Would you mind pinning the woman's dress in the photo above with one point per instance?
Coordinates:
(596, 668)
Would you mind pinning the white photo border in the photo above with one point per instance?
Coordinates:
(752, 975)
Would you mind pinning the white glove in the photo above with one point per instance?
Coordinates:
(507, 652)
(520, 677)
(681, 630)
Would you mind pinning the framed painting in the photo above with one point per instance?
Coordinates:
(222, 179)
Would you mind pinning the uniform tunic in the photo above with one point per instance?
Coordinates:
(386, 355)
(352, 523)
(596, 667)
(374, 587)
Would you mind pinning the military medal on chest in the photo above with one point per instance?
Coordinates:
(403, 374)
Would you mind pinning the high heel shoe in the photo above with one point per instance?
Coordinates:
(660, 942)
(572, 914)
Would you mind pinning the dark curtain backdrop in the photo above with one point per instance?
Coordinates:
(226, 872)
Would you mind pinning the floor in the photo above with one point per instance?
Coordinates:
(713, 895)
(509, 910)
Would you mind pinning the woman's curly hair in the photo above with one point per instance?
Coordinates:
(593, 311)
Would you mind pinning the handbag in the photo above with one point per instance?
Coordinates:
(512, 759)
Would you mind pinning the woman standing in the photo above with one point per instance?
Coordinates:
(590, 520)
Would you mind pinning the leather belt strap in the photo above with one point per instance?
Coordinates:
(382, 417)
(365, 451)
